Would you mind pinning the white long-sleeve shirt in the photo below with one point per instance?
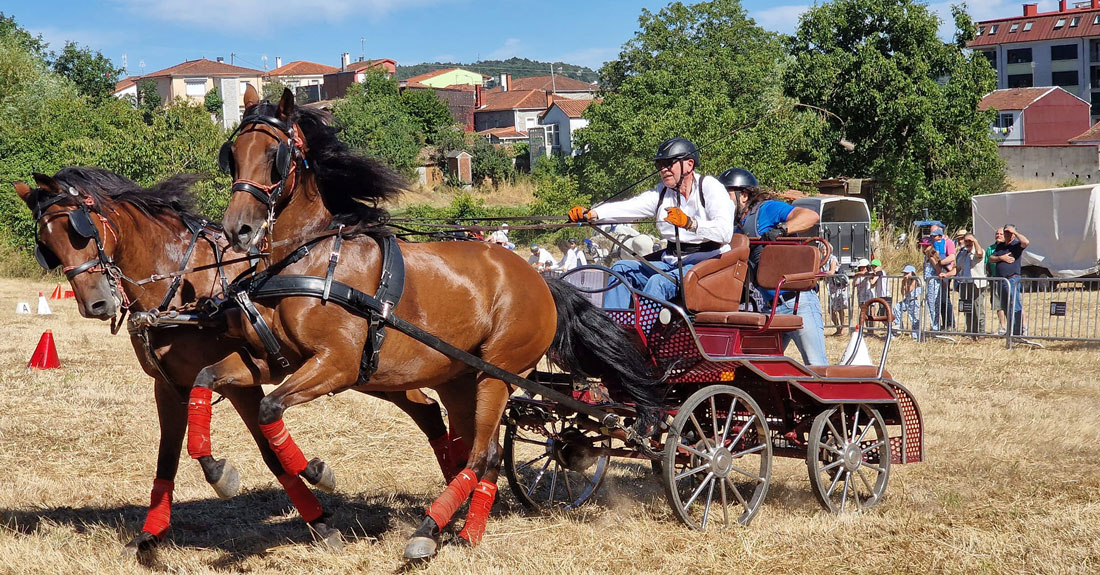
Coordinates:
(573, 258)
(715, 222)
(543, 257)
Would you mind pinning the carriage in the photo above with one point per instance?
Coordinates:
(734, 402)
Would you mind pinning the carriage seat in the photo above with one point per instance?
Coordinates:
(796, 264)
(847, 371)
(716, 284)
(750, 320)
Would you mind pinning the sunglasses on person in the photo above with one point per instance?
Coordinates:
(665, 164)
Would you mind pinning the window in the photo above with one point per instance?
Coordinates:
(1096, 102)
(1074, 22)
(1096, 20)
(1064, 79)
(993, 29)
(195, 88)
(1005, 120)
(1014, 28)
(981, 30)
(529, 122)
(1027, 26)
(1019, 56)
(1063, 52)
(991, 55)
(1019, 80)
(1061, 22)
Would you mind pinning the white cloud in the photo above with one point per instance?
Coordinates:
(512, 47)
(779, 18)
(266, 15)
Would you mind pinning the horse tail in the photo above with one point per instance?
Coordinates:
(589, 343)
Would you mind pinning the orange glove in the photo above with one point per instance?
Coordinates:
(578, 213)
(678, 218)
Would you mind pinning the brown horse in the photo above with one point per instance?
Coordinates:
(479, 297)
(109, 233)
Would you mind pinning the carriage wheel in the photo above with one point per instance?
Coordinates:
(552, 465)
(718, 458)
(848, 458)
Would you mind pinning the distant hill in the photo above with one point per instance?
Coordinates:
(517, 67)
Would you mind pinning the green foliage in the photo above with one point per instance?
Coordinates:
(492, 162)
(372, 121)
(1074, 181)
(148, 99)
(427, 111)
(517, 67)
(33, 46)
(697, 71)
(94, 75)
(908, 98)
(273, 89)
(213, 102)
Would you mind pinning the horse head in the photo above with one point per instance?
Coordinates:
(264, 160)
(74, 233)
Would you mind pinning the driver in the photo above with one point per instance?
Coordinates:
(692, 208)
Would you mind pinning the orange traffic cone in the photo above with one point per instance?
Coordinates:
(45, 355)
(57, 293)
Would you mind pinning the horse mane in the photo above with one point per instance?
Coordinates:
(170, 196)
(351, 185)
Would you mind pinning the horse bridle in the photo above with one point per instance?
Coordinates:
(80, 220)
(286, 159)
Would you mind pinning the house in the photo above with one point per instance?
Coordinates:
(126, 87)
(518, 110)
(506, 135)
(335, 84)
(299, 76)
(1057, 48)
(1036, 116)
(447, 77)
(461, 99)
(192, 80)
(560, 121)
(559, 86)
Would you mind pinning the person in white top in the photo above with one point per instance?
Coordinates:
(501, 237)
(694, 209)
(540, 258)
(573, 257)
(970, 260)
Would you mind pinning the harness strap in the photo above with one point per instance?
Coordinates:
(391, 286)
(333, 259)
(271, 344)
(171, 293)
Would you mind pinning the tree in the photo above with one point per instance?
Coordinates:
(909, 101)
(273, 89)
(94, 75)
(427, 111)
(372, 121)
(148, 98)
(697, 71)
(492, 161)
(34, 46)
(213, 102)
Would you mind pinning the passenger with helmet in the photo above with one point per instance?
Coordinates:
(765, 217)
(692, 208)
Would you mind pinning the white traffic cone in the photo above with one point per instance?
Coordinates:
(43, 305)
(858, 348)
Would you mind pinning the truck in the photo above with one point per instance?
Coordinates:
(845, 223)
(1062, 225)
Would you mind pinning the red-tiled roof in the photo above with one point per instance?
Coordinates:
(1042, 27)
(363, 64)
(1090, 135)
(125, 83)
(572, 108)
(430, 75)
(302, 68)
(514, 100)
(503, 133)
(1013, 98)
(204, 67)
(548, 84)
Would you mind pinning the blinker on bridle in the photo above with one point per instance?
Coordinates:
(285, 156)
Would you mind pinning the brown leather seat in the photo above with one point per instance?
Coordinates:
(798, 263)
(715, 285)
(748, 319)
(847, 371)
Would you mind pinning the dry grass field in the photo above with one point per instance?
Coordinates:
(1011, 483)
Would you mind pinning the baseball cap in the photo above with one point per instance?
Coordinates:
(862, 263)
(573, 240)
(876, 262)
(534, 246)
(926, 241)
(909, 270)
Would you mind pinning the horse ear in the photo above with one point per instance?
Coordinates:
(286, 104)
(24, 191)
(47, 183)
(251, 97)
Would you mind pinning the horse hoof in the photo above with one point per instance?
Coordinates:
(229, 483)
(329, 538)
(144, 542)
(320, 475)
(420, 549)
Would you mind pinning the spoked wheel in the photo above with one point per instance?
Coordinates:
(848, 457)
(552, 464)
(718, 458)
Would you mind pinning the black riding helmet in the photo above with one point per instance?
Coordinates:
(677, 149)
(738, 178)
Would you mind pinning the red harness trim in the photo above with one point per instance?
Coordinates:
(442, 509)
(159, 516)
(303, 499)
(198, 422)
(290, 455)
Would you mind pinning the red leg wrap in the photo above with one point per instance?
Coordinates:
(459, 452)
(283, 445)
(303, 499)
(442, 448)
(198, 422)
(453, 497)
(484, 495)
(160, 508)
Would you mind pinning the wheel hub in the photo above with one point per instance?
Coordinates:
(721, 462)
(853, 457)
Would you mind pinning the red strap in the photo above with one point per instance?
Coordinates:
(159, 516)
(442, 509)
(198, 422)
(303, 499)
(294, 462)
(442, 448)
(484, 495)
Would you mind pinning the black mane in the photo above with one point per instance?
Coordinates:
(171, 196)
(351, 185)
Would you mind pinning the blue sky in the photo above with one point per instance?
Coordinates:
(163, 33)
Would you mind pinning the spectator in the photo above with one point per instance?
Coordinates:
(1006, 254)
(970, 265)
(932, 274)
(995, 288)
(501, 237)
(540, 258)
(837, 285)
(573, 257)
(946, 249)
(864, 288)
(910, 301)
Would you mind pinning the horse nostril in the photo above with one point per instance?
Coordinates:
(244, 231)
(99, 306)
